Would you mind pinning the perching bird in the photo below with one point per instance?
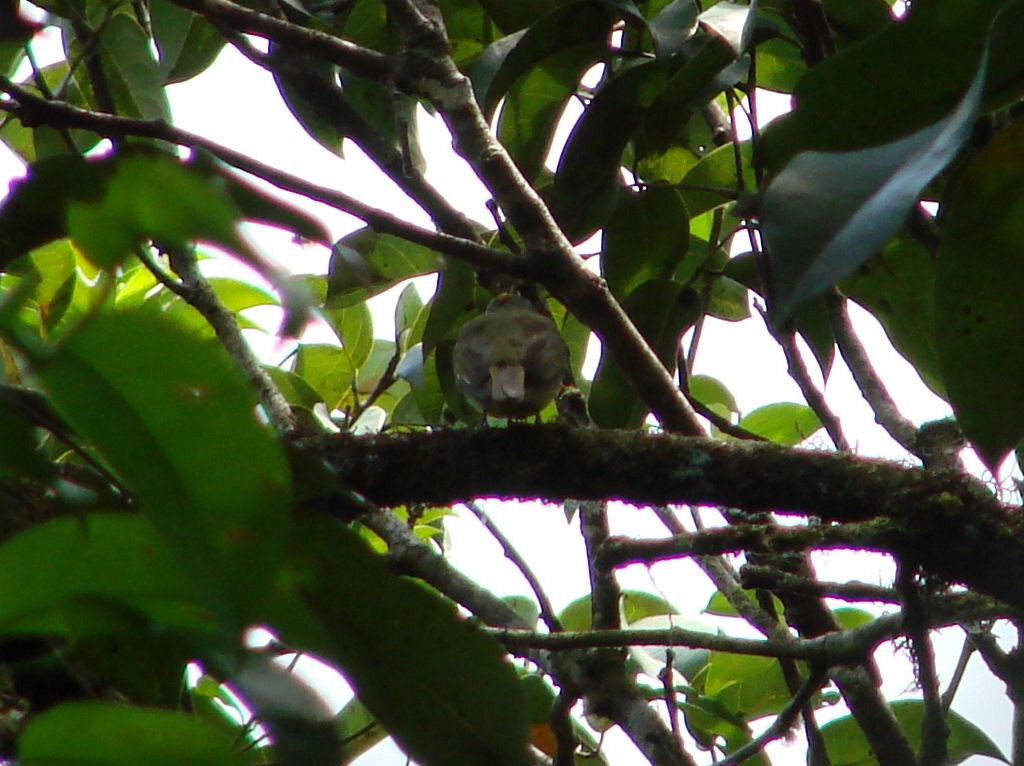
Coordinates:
(511, 361)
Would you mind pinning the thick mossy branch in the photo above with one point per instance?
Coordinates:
(945, 522)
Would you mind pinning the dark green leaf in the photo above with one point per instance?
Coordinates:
(159, 405)
(661, 310)
(978, 312)
(587, 179)
(475, 714)
(645, 238)
(187, 42)
(577, 25)
(827, 213)
(901, 80)
(898, 287)
(673, 25)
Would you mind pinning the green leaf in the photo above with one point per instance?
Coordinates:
(121, 735)
(532, 106)
(750, 687)
(901, 80)
(53, 575)
(661, 310)
(138, 195)
(475, 712)
(784, 423)
(132, 76)
(158, 404)
(673, 25)
(354, 327)
(978, 313)
(187, 43)
(712, 181)
(577, 25)
(328, 369)
(847, 746)
(711, 391)
(898, 287)
(645, 238)
(827, 213)
(587, 178)
(366, 263)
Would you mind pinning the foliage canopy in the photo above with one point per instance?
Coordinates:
(166, 490)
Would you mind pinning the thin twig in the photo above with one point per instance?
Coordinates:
(38, 110)
(830, 649)
(934, 731)
(783, 722)
(887, 414)
(196, 290)
(547, 610)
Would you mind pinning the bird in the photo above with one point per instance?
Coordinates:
(510, 361)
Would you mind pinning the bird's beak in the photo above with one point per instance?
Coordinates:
(508, 382)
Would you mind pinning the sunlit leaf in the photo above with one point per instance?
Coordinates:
(783, 422)
(847, 746)
(122, 735)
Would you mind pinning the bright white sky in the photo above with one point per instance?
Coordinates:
(252, 119)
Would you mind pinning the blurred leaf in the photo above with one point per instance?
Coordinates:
(814, 239)
(329, 370)
(476, 713)
(979, 317)
(784, 423)
(645, 238)
(661, 310)
(847, 746)
(638, 605)
(453, 303)
(354, 327)
(358, 730)
(728, 300)
(121, 735)
(512, 16)
(59, 574)
(157, 404)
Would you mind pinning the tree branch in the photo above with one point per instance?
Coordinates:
(425, 68)
(944, 522)
(362, 61)
(34, 110)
